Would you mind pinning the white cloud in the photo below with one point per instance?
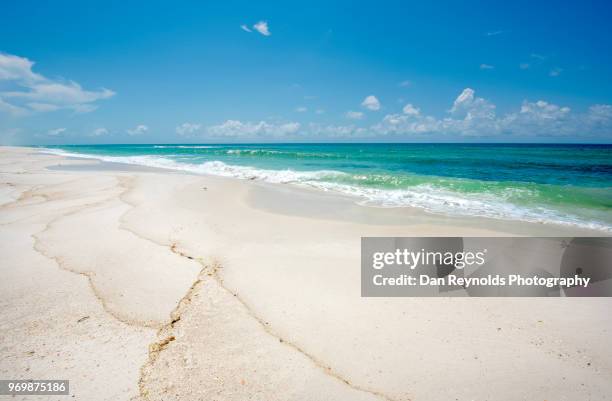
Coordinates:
(99, 132)
(544, 110)
(486, 67)
(335, 131)
(469, 115)
(15, 68)
(245, 28)
(371, 103)
(405, 124)
(494, 33)
(538, 56)
(69, 94)
(405, 84)
(187, 129)
(411, 110)
(320, 111)
(354, 115)
(464, 98)
(524, 66)
(475, 116)
(56, 132)
(600, 113)
(541, 119)
(301, 109)
(138, 130)
(237, 129)
(32, 92)
(472, 107)
(262, 27)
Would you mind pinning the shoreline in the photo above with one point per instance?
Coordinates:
(395, 214)
(247, 289)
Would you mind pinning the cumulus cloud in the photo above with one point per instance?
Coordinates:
(472, 107)
(402, 124)
(187, 129)
(334, 131)
(411, 110)
(599, 113)
(262, 27)
(354, 115)
(32, 92)
(542, 110)
(542, 118)
(371, 103)
(138, 130)
(471, 115)
(598, 120)
(239, 129)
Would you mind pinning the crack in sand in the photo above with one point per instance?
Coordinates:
(30, 193)
(24, 195)
(158, 346)
(212, 271)
(207, 270)
(37, 246)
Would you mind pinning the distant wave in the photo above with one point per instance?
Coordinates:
(279, 153)
(426, 196)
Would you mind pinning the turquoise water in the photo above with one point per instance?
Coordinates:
(562, 184)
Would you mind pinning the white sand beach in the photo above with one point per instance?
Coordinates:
(143, 284)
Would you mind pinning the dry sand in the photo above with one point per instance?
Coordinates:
(141, 284)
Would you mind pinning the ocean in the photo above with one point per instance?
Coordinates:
(560, 184)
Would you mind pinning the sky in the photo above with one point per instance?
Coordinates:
(74, 72)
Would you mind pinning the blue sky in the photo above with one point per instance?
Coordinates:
(123, 72)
